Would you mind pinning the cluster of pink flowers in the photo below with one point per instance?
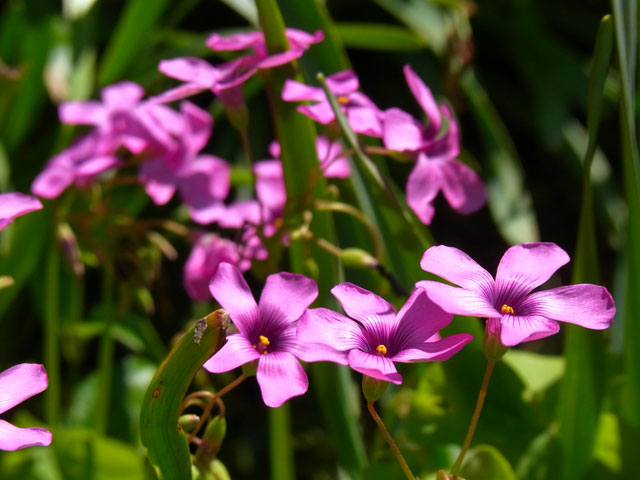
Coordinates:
(373, 336)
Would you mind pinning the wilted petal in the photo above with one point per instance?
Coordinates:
(457, 267)
(458, 301)
(280, 377)
(515, 329)
(285, 298)
(587, 305)
(438, 350)
(462, 187)
(231, 291)
(236, 352)
(21, 382)
(530, 264)
(375, 366)
(14, 438)
(363, 305)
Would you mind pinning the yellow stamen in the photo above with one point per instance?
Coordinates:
(264, 340)
(506, 309)
(342, 100)
(381, 350)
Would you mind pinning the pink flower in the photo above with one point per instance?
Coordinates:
(375, 336)
(199, 75)
(362, 114)
(267, 331)
(13, 205)
(16, 385)
(514, 313)
(437, 168)
(331, 163)
(202, 180)
(208, 252)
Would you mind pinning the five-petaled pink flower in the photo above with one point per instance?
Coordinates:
(13, 205)
(267, 331)
(514, 313)
(16, 385)
(377, 336)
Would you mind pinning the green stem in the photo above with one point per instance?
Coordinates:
(391, 442)
(474, 419)
(105, 350)
(281, 451)
(52, 335)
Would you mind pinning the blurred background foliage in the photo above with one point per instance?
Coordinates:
(516, 73)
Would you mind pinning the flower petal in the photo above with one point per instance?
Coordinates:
(424, 98)
(321, 325)
(231, 291)
(285, 298)
(375, 366)
(363, 305)
(458, 301)
(462, 187)
(439, 350)
(14, 438)
(515, 329)
(296, 92)
(236, 352)
(457, 267)
(401, 131)
(15, 204)
(418, 319)
(423, 185)
(190, 69)
(81, 113)
(529, 265)
(587, 305)
(280, 377)
(21, 382)
(309, 351)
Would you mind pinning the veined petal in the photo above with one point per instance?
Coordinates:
(280, 377)
(515, 329)
(457, 267)
(20, 382)
(439, 350)
(375, 366)
(285, 298)
(321, 325)
(587, 305)
(418, 319)
(363, 305)
(309, 351)
(14, 438)
(236, 352)
(529, 265)
(231, 291)
(458, 301)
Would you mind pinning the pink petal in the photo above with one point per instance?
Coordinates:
(458, 301)
(529, 265)
(231, 291)
(423, 185)
(424, 97)
(122, 95)
(15, 204)
(418, 319)
(321, 325)
(236, 352)
(238, 41)
(375, 366)
(321, 112)
(587, 305)
(457, 267)
(299, 291)
(177, 93)
(53, 180)
(280, 377)
(515, 329)
(96, 165)
(296, 92)
(438, 350)
(343, 83)
(198, 125)
(365, 120)
(363, 305)
(400, 131)
(81, 113)
(462, 187)
(20, 382)
(190, 69)
(14, 438)
(290, 341)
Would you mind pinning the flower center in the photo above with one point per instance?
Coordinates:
(381, 350)
(263, 343)
(343, 100)
(506, 310)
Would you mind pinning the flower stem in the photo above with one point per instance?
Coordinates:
(52, 335)
(391, 442)
(474, 419)
(106, 349)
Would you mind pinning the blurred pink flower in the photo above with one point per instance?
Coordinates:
(513, 313)
(362, 114)
(16, 385)
(13, 205)
(375, 336)
(331, 163)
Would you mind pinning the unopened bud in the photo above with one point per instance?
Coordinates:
(372, 388)
(492, 346)
(188, 422)
(211, 441)
(358, 258)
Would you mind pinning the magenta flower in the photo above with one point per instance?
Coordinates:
(375, 336)
(199, 75)
(362, 113)
(437, 168)
(13, 205)
(267, 331)
(331, 163)
(208, 252)
(514, 313)
(16, 385)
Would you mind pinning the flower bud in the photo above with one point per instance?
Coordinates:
(358, 258)
(188, 422)
(492, 346)
(372, 388)
(211, 441)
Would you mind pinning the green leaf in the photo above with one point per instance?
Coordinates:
(376, 36)
(538, 372)
(485, 462)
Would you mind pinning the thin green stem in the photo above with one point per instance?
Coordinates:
(52, 335)
(281, 451)
(106, 350)
(474, 419)
(391, 442)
